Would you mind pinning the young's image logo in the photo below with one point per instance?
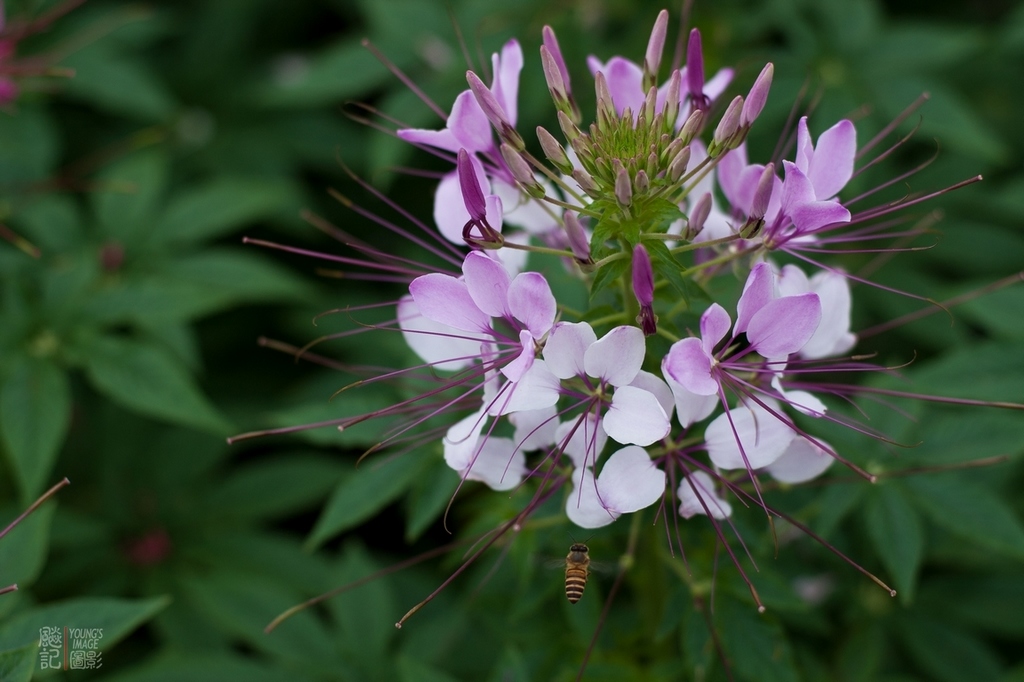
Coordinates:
(64, 648)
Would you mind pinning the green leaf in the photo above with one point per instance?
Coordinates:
(428, 499)
(52, 223)
(130, 193)
(982, 601)
(895, 529)
(23, 550)
(120, 85)
(35, 410)
(412, 670)
(608, 274)
(220, 207)
(271, 488)
(242, 605)
(195, 667)
(116, 617)
(667, 266)
(344, 70)
(145, 378)
(17, 665)
(754, 643)
(365, 615)
(862, 653)
(949, 654)
(364, 492)
(28, 145)
(970, 511)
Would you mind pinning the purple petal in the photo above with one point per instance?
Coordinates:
(802, 461)
(514, 370)
(796, 190)
(617, 356)
(811, 216)
(804, 146)
(718, 83)
(784, 325)
(831, 166)
(714, 325)
(566, 345)
(763, 435)
(635, 417)
(487, 283)
(441, 139)
(438, 344)
(698, 488)
(444, 299)
(506, 78)
(758, 290)
(531, 302)
(688, 365)
(469, 125)
(629, 481)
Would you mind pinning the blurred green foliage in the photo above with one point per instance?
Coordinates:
(128, 352)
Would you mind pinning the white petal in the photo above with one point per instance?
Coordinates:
(763, 435)
(461, 440)
(690, 500)
(636, 417)
(583, 507)
(629, 481)
(653, 384)
(832, 337)
(802, 461)
(690, 407)
(497, 464)
(537, 389)
(587, 441)
(566, 345)
(535, 429)
(617, 356)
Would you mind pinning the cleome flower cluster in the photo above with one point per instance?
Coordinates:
(634, 203)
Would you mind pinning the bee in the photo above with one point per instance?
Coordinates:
(577, 564)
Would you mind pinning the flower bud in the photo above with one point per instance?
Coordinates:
(578, 241)
(671, 108)
(569, 129)
(693, 125)
(469, 183)
(641, 183)
(521, 171)
(643, 289)
(655, 46)
(727, 128)
(554, 151)
(555, 52)
(494, 113)
(698, 216)
(695, 70)
(623, 187)
(677, 166)
(585, 182)
(605, 106)
(759, 204)
(757, 96)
